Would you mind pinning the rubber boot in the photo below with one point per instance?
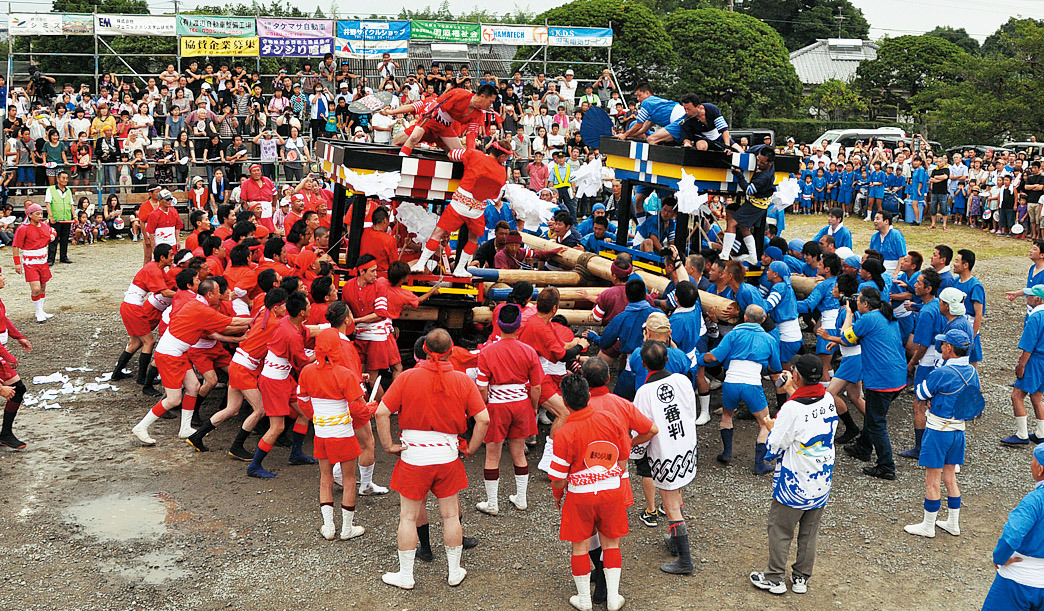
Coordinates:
(682, 565)
(726, 443)
(598, 592)
(760, 466)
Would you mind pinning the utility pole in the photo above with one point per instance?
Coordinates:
(840, 20)
(732, 6)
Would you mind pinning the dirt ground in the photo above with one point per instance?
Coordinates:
(90, 519)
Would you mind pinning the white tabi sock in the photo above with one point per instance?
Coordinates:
(1021, 428)
(347, 518)
(704, 416)
(419, 264)
(327, 513)
(752, 246)
(492, 489)
(583, 591)
(365, 475)
(612, 587)
(726, 245)
(186, 421)
(148, 419)
(521, 486)
(456, 573)
(1040, 429)
(404, 578)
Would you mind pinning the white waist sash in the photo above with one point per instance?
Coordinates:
(465, 204)
(1029, 572)
(589, 481)
(276, 367)
(4, 336)
(937, 423)
(890, 265)
(850, 350)
(240, 307)
(789, 331)
(135, 295)
(425, 448)
(828, 320)
(900, 311)
(929, 358)
(331, 418)
(243, 358)
(553, 369)
(743, 372)
(171, 346)
(371, 331)
(34, 256)
(507, 393)
(160, 302)
(205, 343)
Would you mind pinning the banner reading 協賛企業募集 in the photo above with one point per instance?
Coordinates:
(196, 46)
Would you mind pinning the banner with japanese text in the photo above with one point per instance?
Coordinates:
(440, 31)
(196, 46)
(296, 47)
(579, 37)
(216, 25)
(294, 28)
(135, 25)
(514, 35)
(372, 39)
(49, 24)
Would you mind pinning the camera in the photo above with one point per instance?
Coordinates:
(847, 301)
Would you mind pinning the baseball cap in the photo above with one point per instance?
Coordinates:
(810, 368)
(954, 337)
(165, 194)
(1035, 291)
(658, 323)
(1038, 454)
(569, 72)
(954, 297)
(154, 187)
(344, 85)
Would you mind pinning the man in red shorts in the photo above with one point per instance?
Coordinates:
(368, 301)
(138, 321)
(433, 402)
(484, 177)
(164, 225)
(539, 333)
(242, 377)
(197, 318)
(328, 392)
(209, 356)
(278, 386)
(12, 389)
(440, 121)
(30, 257)
(590, 456)
(258, 193)
(509, 382)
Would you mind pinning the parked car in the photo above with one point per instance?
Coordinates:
(847, 138)
(1032, 149)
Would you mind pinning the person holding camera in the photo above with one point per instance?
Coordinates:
(41, 86)
(876, 332)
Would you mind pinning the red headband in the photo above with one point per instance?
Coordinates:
(254, 165)
(365, 266)
(497, 146)
(513, 239)
(622, 272)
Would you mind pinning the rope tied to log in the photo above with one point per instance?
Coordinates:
(581, 268)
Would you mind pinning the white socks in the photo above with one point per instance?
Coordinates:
(456, 573)
(490, 505)
(705, 414)
(141, 430)
(186, 424)
(461, 271)
(582, 600)
(613, 599)
(925, 528)
(365, 475)
(521, 486)
(420, 265)
(752, 252)
(1021, 429)
(404, 578)
(726, 245)
(952, 523)
(328, 529)
(348, 528)
(1040, 429)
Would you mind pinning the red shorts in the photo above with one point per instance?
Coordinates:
(37, 273)
(277, 395)
(336, 449)
(209, 359)
(6, 371)
(607, 515)
(152, 315)
(134, 320)
(241, 378)
(172, 369)
(451, 220)
(549, 388)
(434, 132)
(515, 420)
(378, 354)
(443, 480)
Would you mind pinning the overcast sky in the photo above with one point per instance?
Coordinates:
(887, 17)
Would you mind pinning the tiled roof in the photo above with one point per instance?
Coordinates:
(831, 58)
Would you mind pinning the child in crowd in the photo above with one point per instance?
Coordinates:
(82, 229)
(807, 194)
(1022, 215)
(960, 203)
(974, 205)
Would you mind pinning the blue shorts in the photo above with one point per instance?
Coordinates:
(753, 397)
(701, 344)
(787, 350)
(625, 385)
(844, 196)
(1032, 380)
(821, 346)
(976, 353)
(674, 128)
(906, 326)
(922, 374)
(27, 175)
(1006, 594)
(940, 448)
(850, 369)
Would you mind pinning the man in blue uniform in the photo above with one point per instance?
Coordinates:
(704, 128)
(953, 393)
(746, 352)
(653, 110)
(749, 210)
(836, 227)
(888, 241)
(1029, 372)
(689, 332)
(627, 327)
(1019, 555)
(930, 322)
(963, 264)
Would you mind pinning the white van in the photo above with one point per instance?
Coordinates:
(837, 138)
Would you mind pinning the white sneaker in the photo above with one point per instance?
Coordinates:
(142, 434)
(461, 272)
(186, 432)
(372, 489)
(328, 531)
(457, 578)
(714, 383)
(353, 532)
(575, 601)
(798, 584)
(397, 580)
(921, 529)
(486, 508)
(776, 587)
(418, 267)
(514, 501)
(616, 605)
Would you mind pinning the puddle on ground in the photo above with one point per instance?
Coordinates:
(121, 517)
(153, 568)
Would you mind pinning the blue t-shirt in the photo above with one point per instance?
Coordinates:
(919, 184)
(881, 347)
(677, 362)
(892, 247)
(842, 236)
(659, 111)
(930, 322)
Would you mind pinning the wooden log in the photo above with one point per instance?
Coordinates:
(419, 314)
(600, 266)
(536, 277)
(803, 285)
(573, 317)
(564, 293)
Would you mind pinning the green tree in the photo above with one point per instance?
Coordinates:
(733, 60)
(1004, 42)
(837, 99)
(904, 67)
(641, 49)
(801, 22)
(959, 37)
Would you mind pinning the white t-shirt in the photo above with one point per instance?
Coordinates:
(567, 89)
(269, 149)
(379, 120)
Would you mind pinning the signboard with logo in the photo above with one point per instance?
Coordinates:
(135, 25)
(216, 25)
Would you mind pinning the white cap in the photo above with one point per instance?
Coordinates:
(569, 72)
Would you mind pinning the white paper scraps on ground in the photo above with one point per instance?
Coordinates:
(49, 395)
(55, 378)
(78, 369)
(92, 387)
(105, 377)
(51, 406)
